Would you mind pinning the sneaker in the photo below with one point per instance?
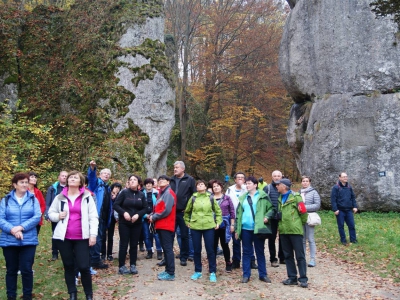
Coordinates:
(110, 258)
(220, 252)
(265, 279)
(274, 264)
(161, 274)
(124, 270)
(159, 255)
(54, 257)
(166, 277)
(253, 264)
(213, 277)
(92, 271)
(183, 263)
(196, 275)
(312, 263)
(289, 282)
(100, 265)
(228, 267)
(190, 258)
(304, 284)
(103, 257)
(133, 269)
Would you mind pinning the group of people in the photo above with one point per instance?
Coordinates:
(84, 211)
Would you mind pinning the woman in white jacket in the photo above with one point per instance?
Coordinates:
(75, 212)
(312, 201)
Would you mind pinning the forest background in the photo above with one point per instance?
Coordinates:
(231, 106)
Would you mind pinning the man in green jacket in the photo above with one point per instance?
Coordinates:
(291, 232)
(252, 219)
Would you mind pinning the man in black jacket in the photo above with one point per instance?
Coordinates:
(184, 186)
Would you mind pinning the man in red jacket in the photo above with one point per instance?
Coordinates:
(164, 220)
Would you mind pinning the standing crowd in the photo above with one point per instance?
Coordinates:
(84, 211)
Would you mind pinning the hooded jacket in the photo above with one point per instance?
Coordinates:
(12, 214)
(200, 212)
(89, 216)
(292, 220)
(164, 210)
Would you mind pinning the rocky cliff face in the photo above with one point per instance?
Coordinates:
(341, 66)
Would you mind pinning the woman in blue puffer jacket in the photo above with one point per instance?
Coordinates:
(19, 215)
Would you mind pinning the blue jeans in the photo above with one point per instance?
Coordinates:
(184, 237)
(248, 239)
(348, 217)
(236, 250)
(167, 242)
(208, 236)
(148, 237)
(96, 249)
(294, 243)
(19, 258)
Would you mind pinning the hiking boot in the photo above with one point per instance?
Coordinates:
(141, 248)
(110, 258)
(228, 267)
(166, 277)
(220, 252)
(124, 270)
(196, 275)
(282, 262)
(190, 258)
(289, 282)
(312, 263)
(265, 279)
(149, 254)
(304, 284)
(236, 264)
(54, 257)
(133, 269)
(213, 277)
(100, 265)
(253, 265)
(162, 263)
(103, 257)
(274, 264)
(159, 255)
(245, 279)
(183, 263)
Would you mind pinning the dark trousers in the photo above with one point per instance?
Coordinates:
(348, 217)
(109, 236)
(54, 249)
(96, 249)
(294, 243)
(76, 254)
(19, 258)
(184, 230)
(248, 240)
(271, 243)
(219, 235)
(128, 235)
(237, 250)
(167, 243)
(208, 236)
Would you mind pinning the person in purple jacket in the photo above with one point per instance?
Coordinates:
(227, 227)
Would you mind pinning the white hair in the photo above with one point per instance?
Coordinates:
(276, 172)
(181, 163)
(105, 171)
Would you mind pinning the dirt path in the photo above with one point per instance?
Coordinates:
(330, 279)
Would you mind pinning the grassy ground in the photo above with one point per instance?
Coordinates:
(378, 250)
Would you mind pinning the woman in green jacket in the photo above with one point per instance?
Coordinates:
(203, 216)
(252, 215)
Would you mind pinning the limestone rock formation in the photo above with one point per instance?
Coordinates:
(341, 66)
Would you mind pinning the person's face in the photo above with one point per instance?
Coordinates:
(155, 183)
(276, 176)
(162, 183)
(133, 183)
(21, 186)
(178, 170)
(62, 178)
(305, 183)
(201, 187)
(281, 188)
(115, 192)
(216, 188)
(251, 187)
(149, 187)
(74, 180)
(239, 180)
(32, 180)
(343, 178)
(105, 176)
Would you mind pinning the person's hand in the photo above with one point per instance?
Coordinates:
(151, 219)
(232, 228)
(355, 210)
(236, 236)
(92, 164)
(16, 229)
(19, 235)
(188, 225)
(62, 215)
(134, 218)
(265, 220)
(92, 241)
(216, 227)
(336, 212)
(127, 217)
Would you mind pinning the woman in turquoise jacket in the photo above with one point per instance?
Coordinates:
(203, 216)
(19, 215)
